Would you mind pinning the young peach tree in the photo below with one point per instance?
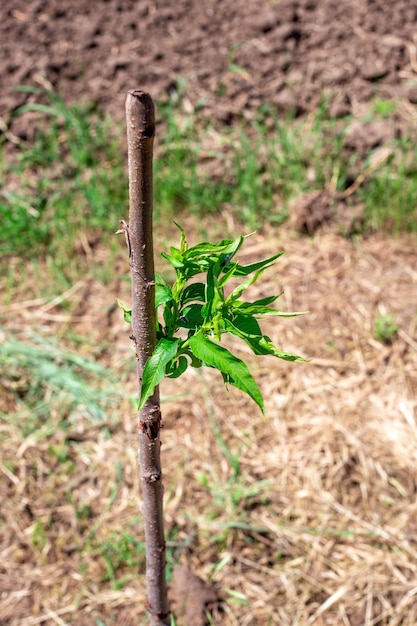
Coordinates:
(181, 325)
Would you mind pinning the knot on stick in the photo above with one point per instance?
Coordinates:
(152, 475)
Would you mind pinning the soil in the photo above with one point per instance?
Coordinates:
(229, 57)
(320, 524)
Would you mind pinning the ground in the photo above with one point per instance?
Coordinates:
(233, 56)
(319, 526)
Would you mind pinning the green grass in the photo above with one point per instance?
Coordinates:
(123, 555)
(248, 171)
(53, 398)
(70, 178)
(70, 181)
(390, 195)
(254, 170)
(45, 380)
(385, 328)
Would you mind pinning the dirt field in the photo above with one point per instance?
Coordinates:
(233, 56)
(331, 538)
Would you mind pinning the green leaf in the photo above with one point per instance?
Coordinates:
(288, 313)
(229, 252)
(191, 316)
(258, 343)
(233, 369)
(154, 370)
(127, 313)
(225, 247)
(268, 299)
(183, 242)
(175, 258)
(206, 248)
(236, 293)
(246, 307)
(211, 310)
(210, 293)
(231, 267)
(252, 308)
(269, 348)
(163, 292)
(245, 270)
(195, 362)
(242, 325)
(195, 291)
(176, 367)
(170, 318)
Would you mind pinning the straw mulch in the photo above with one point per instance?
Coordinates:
(308, 517)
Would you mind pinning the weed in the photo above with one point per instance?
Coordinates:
(39, 536)
(120, 553)
(384, 107)
(236, 597)
(385, 328)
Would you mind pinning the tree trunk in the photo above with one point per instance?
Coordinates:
(140, 116)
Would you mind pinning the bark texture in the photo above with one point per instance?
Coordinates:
(140, 117)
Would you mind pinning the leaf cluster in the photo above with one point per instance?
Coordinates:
(194, 314)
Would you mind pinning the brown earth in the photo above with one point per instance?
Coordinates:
(233, 56)
(319, 527)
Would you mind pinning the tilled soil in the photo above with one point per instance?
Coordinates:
(230, 56)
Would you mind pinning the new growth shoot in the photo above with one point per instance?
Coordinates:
(193, 316)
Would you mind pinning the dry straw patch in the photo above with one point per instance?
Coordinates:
(310, 515)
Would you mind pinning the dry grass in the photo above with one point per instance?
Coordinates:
(311, 514)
